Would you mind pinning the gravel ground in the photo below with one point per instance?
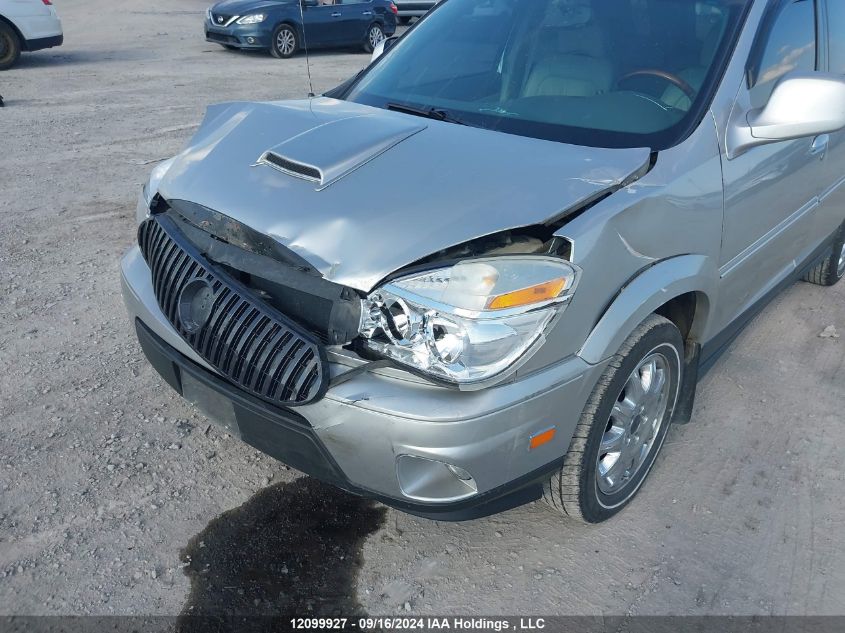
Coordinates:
(117, 498)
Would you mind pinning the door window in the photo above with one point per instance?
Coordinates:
(786, 42)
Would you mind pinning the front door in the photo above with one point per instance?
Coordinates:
(771, 191)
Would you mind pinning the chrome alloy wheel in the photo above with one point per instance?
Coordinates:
(375, 36)
(840, 269)
(634, 424)
(286, 42)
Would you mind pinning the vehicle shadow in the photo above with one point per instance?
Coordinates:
(293, 549)
(64, 57)
(330, 53)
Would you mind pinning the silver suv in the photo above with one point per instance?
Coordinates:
(493, 266)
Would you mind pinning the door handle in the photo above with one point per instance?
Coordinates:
(367, 13)
(336, 15)
(820, 145)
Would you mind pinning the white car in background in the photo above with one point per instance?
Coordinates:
(27, 25)
(413, 9)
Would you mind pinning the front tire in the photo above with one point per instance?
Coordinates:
(285, 42)
(832, 269)
(623, 425)
(375, 36)
(10, 46)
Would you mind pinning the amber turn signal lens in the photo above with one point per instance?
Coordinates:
(541, 438)
(527, 296)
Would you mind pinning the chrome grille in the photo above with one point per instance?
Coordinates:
(222, 19)
(248, 342)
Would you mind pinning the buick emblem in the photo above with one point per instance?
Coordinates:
(219, 19)
(195, 303)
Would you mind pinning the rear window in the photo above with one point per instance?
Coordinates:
(836, 28)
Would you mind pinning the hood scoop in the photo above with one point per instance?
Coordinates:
(291, 167)
(328, 152)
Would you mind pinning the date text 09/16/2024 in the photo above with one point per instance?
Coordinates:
(431, 623)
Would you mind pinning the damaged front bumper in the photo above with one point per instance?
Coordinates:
(385, 433)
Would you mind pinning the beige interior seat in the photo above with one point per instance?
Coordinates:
(570, 63)
(695, 75)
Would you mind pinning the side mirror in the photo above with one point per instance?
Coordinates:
(801, 105)
(383, 47)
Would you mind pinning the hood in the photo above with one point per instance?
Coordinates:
(361, 192)
(243, 7)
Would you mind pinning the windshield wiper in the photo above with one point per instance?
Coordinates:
(428, 113)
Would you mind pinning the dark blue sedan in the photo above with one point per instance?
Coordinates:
(284, 26)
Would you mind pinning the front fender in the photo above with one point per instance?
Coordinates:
(643, 295)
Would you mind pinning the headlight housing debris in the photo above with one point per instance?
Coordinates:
(156, 176)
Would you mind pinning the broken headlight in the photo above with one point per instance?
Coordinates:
(156, 176)
(471, 322)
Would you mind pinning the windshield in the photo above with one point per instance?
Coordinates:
(608, 73)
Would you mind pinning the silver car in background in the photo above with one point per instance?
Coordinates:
(493, 266)
(413, 9)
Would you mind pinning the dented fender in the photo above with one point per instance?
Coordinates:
(643, 295)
